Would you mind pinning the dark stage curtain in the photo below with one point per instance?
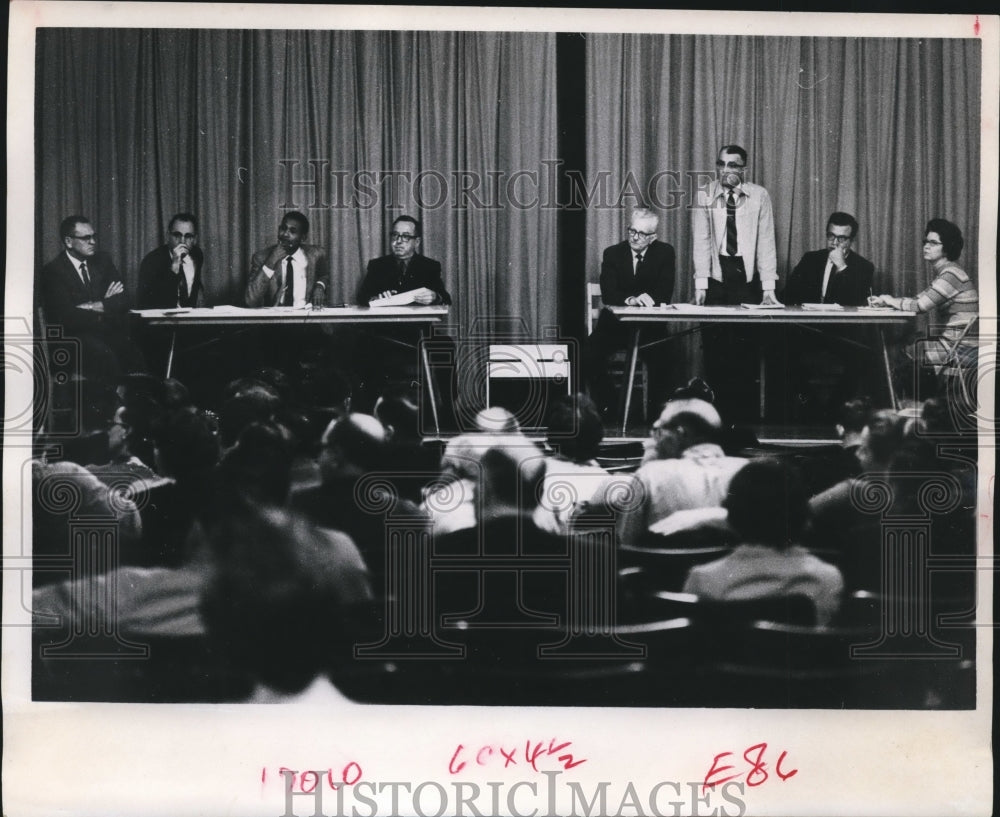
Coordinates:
(240, 126)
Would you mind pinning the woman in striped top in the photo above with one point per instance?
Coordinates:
(952, 293)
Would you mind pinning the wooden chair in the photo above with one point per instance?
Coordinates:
(619, 362)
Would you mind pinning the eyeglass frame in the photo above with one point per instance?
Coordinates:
(729, 165)
(638, 233)
(840, 239)
(179, 234)
(393, 236)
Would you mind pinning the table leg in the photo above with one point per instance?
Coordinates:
(888, 370)
(431, 386)
(633, 358)
(170, 356)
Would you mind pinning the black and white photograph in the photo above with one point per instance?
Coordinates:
(498, 411)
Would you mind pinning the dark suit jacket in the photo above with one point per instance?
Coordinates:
(158, 284)
(263, 291)
(63, 289)
(848, 288)
(383, 274)
(655, 274)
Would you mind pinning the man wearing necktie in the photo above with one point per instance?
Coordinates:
(636, 272)
(272, 284)
(170, 275)
(825, 369)
(735, 262)
(83, 294)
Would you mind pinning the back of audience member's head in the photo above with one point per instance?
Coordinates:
(251, 404)
(398, 410)
(187, 445)
(767, 503)
(276, 379)
(497, 420)
(880, 439)
(258, 469)
(575, 428)
(694, 389)
(327, 390)
(273, 575)
(682, 424)
(935, 417)
(351, 446)
(510, 479)
(853, 416)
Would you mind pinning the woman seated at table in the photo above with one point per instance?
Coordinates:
(952, 293)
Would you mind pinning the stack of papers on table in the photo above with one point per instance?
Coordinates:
(399, 299)
(688, 307)
(824, 307)
(763, 306)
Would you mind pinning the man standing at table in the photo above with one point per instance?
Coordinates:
(635, 272)
(834, 275)
(404, 269)
(83, 293)
(825, 370)
(735, 261)
(170, 275)
(291, 272)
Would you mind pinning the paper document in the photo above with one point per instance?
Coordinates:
(824, 307)
(763, 306)
(399, 299)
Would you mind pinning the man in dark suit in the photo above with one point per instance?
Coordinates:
(83, 293)
(289, 273)
(388, 358)
(834, 275)
(825, 370)
(170, 276)
(635, 272)
(405, 269)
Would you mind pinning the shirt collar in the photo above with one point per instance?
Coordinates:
(722, 192)
(298, 256)
(75, 262)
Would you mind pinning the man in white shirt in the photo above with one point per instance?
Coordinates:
(291, 272)
(735, 262)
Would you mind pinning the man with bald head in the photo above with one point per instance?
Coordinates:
(353, 447)
(636, 272)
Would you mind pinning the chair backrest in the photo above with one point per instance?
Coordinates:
(593, 305)
(667, 568)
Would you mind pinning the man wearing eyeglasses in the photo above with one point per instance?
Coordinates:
(83, 294)
(404, 269)
(735, 262)
(825, 371)
(170, 275)
(635, 272)
(834, 275)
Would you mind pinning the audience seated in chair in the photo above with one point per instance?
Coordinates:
(572, 474)
(768, 509)
(683, 467)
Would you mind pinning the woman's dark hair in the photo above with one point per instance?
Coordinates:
(951, 237)
(767, 503)
(575, 428)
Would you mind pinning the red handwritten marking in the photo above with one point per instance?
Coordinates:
(533, 753)
(757, 774)
(350, 774)
(975, 26)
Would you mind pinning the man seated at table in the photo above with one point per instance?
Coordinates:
(404, 269)
(170, 275)
(291, 272)
(83, 294)
(834, 275)
(635, 272)
(388, 356)
(826, 368)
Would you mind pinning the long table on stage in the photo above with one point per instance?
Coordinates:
(638, 316)
(177, 319)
